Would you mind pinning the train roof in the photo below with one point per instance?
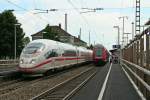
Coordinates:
(53, 44)
(98, 45)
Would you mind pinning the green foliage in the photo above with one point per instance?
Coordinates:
(48, 33)
(26, 40)
(7, 37)
(90, 47)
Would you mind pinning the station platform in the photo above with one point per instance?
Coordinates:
(7, 70)
(118, 87)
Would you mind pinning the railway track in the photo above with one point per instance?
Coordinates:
(6, 91)
(9, 77)
(6, 80)
(67, 88)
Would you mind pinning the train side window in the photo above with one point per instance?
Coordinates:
(69, 53)
(51, 53)
(99, 52)
(59, 51)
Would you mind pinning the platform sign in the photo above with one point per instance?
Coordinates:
(116, 46)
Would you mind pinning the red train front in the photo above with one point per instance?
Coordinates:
(100, 55)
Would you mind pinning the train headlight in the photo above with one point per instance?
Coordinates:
(33, 61)
(21, 61)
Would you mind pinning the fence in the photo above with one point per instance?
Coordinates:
(135, 58)
(9, 62)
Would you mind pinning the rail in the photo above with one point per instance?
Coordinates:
(137, 77)
(145, 71)
(137, 51)
(135, 74)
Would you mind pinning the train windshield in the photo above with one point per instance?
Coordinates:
(34, 48)
(98, 52)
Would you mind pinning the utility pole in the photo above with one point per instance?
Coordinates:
(120, 53)
(132, 30)
(17, 24)
(66, 22)
(80, 34)
(89, 39)
(137, 17)
(118, 34)
(123, 20)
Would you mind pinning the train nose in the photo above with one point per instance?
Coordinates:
(27, 61)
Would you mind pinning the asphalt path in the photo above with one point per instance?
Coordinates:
(92, 89)
(118, 87)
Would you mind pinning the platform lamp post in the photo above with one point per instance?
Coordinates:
(15, 25)
(132, 30)
(118, 34)
(120, 54)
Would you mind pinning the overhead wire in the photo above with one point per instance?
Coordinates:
(10, 2)
(69, 1)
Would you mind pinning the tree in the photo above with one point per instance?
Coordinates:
(48, 33)
(26, 40)
(90, 47)
(7, 37)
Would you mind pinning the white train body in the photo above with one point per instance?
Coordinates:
(42, 55)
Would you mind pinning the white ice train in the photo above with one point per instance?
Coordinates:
(41, 56)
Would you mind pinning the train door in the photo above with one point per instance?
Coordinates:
(49, 57)
(77, 55)
(59, 61)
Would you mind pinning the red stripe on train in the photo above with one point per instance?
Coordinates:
(48, 61)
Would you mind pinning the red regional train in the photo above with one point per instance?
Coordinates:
(100, 55)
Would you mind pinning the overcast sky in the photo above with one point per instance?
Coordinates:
(99, 24)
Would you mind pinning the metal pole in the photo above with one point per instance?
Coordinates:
(15, 25)
(89, 39)
(118, 33)
(15, 43)
(123, 31)
(132, 30)
(80, 34)
(66, 22)
(120, 51)
(123, 28)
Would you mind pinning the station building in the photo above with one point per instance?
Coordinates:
(64, 36)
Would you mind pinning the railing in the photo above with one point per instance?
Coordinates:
(145, 71)
(130, 66)
(136, 55)
(10, 62)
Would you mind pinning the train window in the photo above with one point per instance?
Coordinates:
(69, 53)
(82, 53)
(51, 53)
(34, 48)
(98, 52)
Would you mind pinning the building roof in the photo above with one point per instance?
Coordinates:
(148, 22)
(63, 33)
(55, 27)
